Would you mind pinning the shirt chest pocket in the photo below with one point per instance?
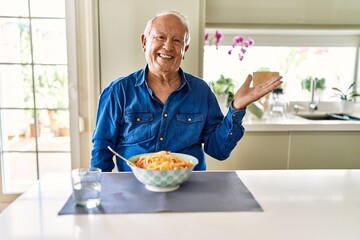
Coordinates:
(137, 126)
(189, 127)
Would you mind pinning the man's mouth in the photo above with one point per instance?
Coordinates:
(165, 56)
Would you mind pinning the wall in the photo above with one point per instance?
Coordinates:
(283, 12)
(121, 23)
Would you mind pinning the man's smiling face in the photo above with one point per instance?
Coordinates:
(165, 45)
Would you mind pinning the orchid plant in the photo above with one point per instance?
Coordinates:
(217, 37)
(238, 40)
(225, 86)
(347, 95)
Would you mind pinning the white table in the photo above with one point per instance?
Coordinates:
(298, 204)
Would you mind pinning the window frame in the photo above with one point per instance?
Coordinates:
(71, 39)
(294, 36)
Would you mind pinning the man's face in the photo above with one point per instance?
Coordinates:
(165, 47)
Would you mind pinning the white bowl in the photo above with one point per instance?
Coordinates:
(163, 180)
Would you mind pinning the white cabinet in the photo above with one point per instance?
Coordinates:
(293, 150)
(324, 150)
(256, 150)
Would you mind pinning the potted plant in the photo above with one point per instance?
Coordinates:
(223, 89)
(262, 75)
(347, 97)
(49, 82)
(319, 83)
(33, 116)
(64, 124)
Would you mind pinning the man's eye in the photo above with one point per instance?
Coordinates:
(161, 37)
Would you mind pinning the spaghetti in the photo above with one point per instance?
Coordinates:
(162, 160)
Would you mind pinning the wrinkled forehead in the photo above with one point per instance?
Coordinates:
(170, 25)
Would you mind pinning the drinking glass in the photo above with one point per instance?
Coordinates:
(86, 185)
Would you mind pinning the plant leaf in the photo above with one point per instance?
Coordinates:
(351, 85)
(338, 90)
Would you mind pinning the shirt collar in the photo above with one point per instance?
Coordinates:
(142, 78)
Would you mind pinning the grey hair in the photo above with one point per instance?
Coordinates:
(182, 18)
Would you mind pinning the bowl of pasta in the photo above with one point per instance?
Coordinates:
(162, 171)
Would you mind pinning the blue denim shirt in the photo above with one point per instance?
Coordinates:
(132, 120)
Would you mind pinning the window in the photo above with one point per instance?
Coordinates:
(298, 55)
(34, 105)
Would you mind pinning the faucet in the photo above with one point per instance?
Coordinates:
(313, 105)
(298, 107)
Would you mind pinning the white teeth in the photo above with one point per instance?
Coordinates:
(165, 56)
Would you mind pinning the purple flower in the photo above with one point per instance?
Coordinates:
(237, 39)
(206, 36)
(218, 37)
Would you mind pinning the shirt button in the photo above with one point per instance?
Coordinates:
(189, 119)
(234, 115)
(161, 139)
(231, 133)
(165, 115)
(138, 119)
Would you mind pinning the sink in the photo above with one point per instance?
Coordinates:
(328, 116)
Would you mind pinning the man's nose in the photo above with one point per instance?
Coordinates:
(169, 43)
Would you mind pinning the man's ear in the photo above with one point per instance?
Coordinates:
(143, 41)
(187, 47)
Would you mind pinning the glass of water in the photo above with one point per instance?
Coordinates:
(86, 184)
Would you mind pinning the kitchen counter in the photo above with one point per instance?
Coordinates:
(294, 142)
(296, 123)
(297, 204)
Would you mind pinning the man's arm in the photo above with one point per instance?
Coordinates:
(106, 131)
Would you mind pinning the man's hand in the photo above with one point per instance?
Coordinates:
(247, 95)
